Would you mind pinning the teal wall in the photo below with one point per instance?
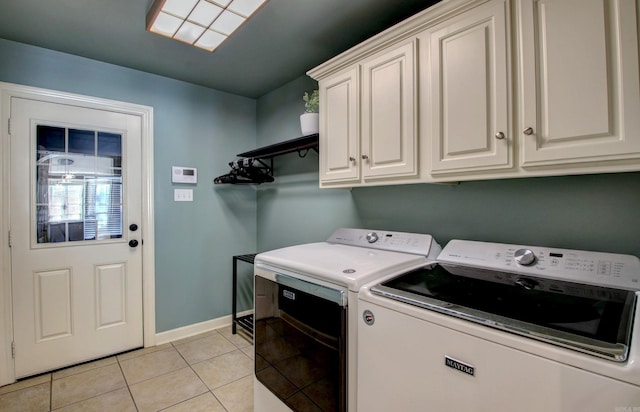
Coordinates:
(193, 126)
(590, 212)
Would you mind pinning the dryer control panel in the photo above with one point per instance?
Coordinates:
(413, 243)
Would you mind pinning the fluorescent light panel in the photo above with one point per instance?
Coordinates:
(201, 23)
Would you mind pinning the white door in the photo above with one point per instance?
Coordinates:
(76, 255)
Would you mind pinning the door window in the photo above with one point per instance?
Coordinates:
(79, 185)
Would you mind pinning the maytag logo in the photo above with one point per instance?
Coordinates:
(460, 366)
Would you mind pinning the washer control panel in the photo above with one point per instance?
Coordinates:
(595, 268)
(414, 243)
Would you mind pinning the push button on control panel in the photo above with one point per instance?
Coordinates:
(604, 268)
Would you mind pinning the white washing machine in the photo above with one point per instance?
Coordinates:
(496, 327)
(306, 313)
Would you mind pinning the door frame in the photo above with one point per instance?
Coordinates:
(9, 90)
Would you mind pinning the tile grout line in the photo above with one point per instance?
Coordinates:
(51, 392)
(126, 382)
(237, 348)
(228, 383)
(200, 378)
(95, 396)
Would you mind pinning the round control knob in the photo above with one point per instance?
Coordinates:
(524, 257)
(372, 237)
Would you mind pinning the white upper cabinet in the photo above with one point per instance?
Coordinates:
(339, 130)
(389, 138)
(578, 81)
(368, 122)
(485, 89)
(464, 62)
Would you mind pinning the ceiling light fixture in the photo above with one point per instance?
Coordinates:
(201, 23)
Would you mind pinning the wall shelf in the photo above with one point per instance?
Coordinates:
(256, 166)
(299, 144)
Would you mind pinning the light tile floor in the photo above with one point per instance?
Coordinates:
(208, 372)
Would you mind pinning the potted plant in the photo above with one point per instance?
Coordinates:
(309, 120)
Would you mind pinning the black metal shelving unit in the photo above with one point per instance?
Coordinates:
(245, 322)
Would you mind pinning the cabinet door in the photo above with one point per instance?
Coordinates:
(580, 99)
(389, 138)
(339, 149)
(466, 66)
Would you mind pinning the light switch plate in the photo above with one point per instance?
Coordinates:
(183, 195)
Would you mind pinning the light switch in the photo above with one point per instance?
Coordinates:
(183, 195)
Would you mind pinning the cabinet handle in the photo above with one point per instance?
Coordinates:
(500, 136)
(365, 157)
(352, 159)
(528, 131)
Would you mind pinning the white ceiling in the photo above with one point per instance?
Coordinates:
(280, 43)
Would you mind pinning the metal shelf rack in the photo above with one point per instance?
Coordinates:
(245, 322)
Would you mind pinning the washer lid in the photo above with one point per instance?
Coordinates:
(344, 265)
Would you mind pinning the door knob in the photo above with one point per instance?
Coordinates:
(133, 227)
(528, 131)
(133, 243)
(500, 136)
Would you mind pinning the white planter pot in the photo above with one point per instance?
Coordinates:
(309, 123)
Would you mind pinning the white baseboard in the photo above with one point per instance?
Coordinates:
(196, 328)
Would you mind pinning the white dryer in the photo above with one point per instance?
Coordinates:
(306, 314)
